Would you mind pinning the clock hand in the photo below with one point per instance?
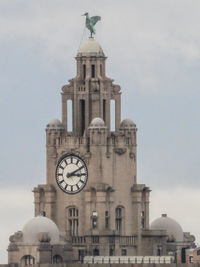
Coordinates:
(79, 174)
(69, 174)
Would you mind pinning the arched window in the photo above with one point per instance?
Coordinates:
(57, 259)
(72, 220)
(119, 218)
(27, 260)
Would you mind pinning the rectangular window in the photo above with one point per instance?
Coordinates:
(106, 219)
(106, 223)
(104, 110)
(81, 254)
(158, 252)
(190, 259)
(101, 72)
(84, 71)
(118, 212)
(112, 115)
(69, 115)
(94, 214)
(94, 222)
(93, 71)
(111, 252)
(73, 221)
(123, 252)
(82, 116)
(118, 224)
(94, 219)
(95, 239)
(142, 220)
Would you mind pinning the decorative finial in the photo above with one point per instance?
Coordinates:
(90, 22)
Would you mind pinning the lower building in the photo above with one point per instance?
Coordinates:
(193, 255)
(40, 242)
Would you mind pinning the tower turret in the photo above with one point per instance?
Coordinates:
(92, 191)
(91, 91)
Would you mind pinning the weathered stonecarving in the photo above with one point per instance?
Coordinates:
(91, 195)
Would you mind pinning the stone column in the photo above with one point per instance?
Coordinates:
(36, 201)
(50, 199)
(108, 113)
(64, 111)
(147, 209)
(101, 200)
(87, 122)
(136, 209)
(75, 109)
(117, 111)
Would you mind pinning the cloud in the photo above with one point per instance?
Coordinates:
(157, 43)
(16, 209)
(150, 30)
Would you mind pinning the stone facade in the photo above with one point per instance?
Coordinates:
(110, 215)
(113, 209)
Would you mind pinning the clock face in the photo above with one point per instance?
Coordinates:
(71, 174)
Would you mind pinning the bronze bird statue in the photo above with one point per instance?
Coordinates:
(90, 22)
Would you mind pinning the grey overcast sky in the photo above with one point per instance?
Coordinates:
(153, 50)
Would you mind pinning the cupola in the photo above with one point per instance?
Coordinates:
(127, 124)
(55, 124)
(91, 46)
(172, 227)
(38, 228)
(97, 123)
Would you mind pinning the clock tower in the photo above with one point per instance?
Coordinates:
(91, 189)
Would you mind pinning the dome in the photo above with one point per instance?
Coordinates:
(40, 224)
(97, 123)
(127, 124)
(90, 46)
(173, 229)
(55, 124)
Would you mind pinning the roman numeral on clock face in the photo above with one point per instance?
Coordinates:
(65, 186)
(82, 181)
